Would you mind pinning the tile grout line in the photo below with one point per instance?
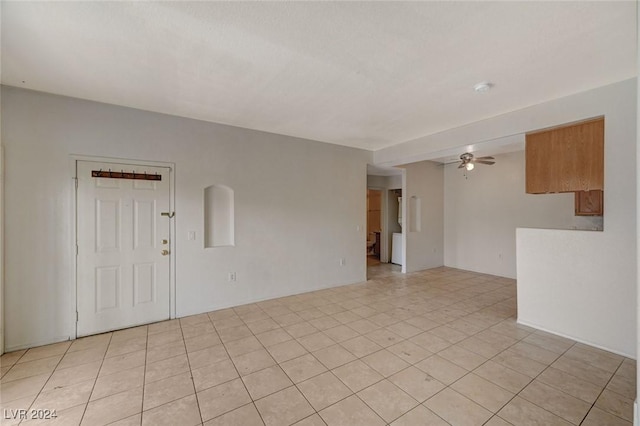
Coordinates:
(237, 372)
(96, 379)
(294, 384)
(186, 354)
(600, 394)
(534, 378)
(387, 297)
(144, 376)
(410, 365)
(471, 371)
(47, 381)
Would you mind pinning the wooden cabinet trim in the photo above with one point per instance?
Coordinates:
(589, 203)
(566, 125)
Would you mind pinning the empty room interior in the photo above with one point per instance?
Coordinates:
(319, 213)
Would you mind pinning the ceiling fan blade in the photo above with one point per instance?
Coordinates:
(461, 165)
(485, 158)
(485, 162)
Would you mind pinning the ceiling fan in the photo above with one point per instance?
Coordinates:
(468, 161)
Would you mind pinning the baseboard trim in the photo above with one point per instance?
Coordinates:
(566, 336)
(30, 345)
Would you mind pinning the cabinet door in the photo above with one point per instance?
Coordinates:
(580, 156)
(566, 159)
(540, 170)
(589, 203)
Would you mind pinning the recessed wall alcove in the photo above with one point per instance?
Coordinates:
(219, 229)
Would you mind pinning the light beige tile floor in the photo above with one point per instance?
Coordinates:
(435, 347)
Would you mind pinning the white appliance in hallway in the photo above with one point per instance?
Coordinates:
(396, 248)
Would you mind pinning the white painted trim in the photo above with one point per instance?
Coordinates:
(636, 419)
(405, 223)
(287, 293)
(56, 339)
(384, 228)
(1, 249)
(528, 324)
(74, 158)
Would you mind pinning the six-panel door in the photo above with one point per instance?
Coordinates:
(123, 248)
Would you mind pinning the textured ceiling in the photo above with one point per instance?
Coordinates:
(362, 74)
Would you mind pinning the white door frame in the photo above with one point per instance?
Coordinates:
(74, 158)
(405, 222)
(1, 248)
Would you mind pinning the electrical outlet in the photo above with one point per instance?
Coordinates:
(232, 276)
(342, 261)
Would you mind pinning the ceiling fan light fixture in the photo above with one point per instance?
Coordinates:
(469, 166)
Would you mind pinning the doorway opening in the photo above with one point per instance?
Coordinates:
(374, 226)
(394, 225)
(385, 214)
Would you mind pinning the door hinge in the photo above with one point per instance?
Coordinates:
(76, 179)
(76, 316)
(77, 249)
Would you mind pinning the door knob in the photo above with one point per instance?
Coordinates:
(165, 252)
(165, 241)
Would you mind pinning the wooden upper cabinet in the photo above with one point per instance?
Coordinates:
(539, 172)
(566, 159)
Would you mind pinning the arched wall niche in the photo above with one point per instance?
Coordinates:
(219, 229)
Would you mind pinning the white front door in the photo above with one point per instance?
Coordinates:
(123, 247)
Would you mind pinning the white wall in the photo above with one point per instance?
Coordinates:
(564, 287)
(389, 182)
(1, 240)
(374, 181)
(607, 279)
(1, 226)
(483, 210)
(294, 219)
(424, 248)
(583, 284)
(636, 418)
